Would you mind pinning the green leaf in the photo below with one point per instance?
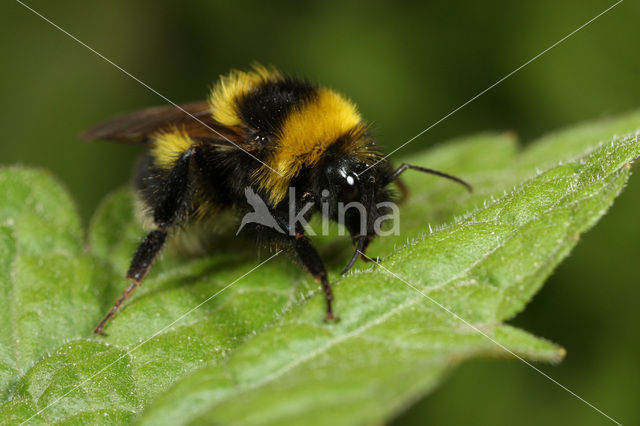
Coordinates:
(258, 352)
(111, 398)
(50, 288)
(392, 343)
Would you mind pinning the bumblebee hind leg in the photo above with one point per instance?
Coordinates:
(140, 265)
(172, 204)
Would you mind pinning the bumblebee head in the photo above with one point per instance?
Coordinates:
(357, 197)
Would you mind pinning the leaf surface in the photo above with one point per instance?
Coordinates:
(258, 352)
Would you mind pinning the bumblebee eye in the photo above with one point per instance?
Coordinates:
(350, 188)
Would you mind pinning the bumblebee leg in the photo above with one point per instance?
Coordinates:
(167, 210)
(140, 265)
(312, 262)
(363, 252)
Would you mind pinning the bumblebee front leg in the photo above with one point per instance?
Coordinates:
(310, 258)
(171, 204)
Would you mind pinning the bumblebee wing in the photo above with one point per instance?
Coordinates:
(138, 127)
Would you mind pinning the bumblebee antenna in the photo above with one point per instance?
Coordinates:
(406, 166)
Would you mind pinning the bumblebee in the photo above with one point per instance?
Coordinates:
(264, 132)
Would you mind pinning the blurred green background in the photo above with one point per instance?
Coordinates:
(406, 65)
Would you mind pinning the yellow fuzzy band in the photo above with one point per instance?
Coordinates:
(168, 147)
(306, 134)
(235, 85)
